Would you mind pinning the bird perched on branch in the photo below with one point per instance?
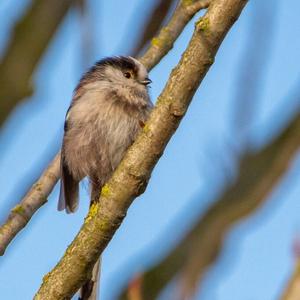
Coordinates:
(110, 105)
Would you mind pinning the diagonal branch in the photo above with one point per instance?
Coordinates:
(25, 50)
(183, 12)
(131, 177)
(34, 199)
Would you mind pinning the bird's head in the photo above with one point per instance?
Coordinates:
(124, 70)
(124, 76)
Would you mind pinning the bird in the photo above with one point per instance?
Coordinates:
(110, 106)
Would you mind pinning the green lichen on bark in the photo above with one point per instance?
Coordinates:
(105, 190)
(187, 2)
(146, 128)
(19, 209)
(203, 24)
(157, 42)
(94, 208)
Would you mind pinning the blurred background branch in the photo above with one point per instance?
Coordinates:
(292, 291)
(253, 67)
(152, 24)
(28, 43)
(258, 174)
(87, 39)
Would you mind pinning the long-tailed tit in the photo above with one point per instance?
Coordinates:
(110, 105)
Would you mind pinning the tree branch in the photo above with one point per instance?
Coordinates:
(149, 61)
(25, 50)
(131, 177)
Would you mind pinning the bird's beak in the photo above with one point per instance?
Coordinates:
(146, 81)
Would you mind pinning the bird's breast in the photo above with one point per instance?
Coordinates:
(100, 133)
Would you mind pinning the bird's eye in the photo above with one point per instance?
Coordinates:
(127, 74)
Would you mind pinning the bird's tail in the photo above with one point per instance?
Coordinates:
(90, 290)
(69, 187)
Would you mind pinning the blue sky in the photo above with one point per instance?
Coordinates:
(257, 257)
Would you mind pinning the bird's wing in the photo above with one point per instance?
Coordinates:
(68, 196)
